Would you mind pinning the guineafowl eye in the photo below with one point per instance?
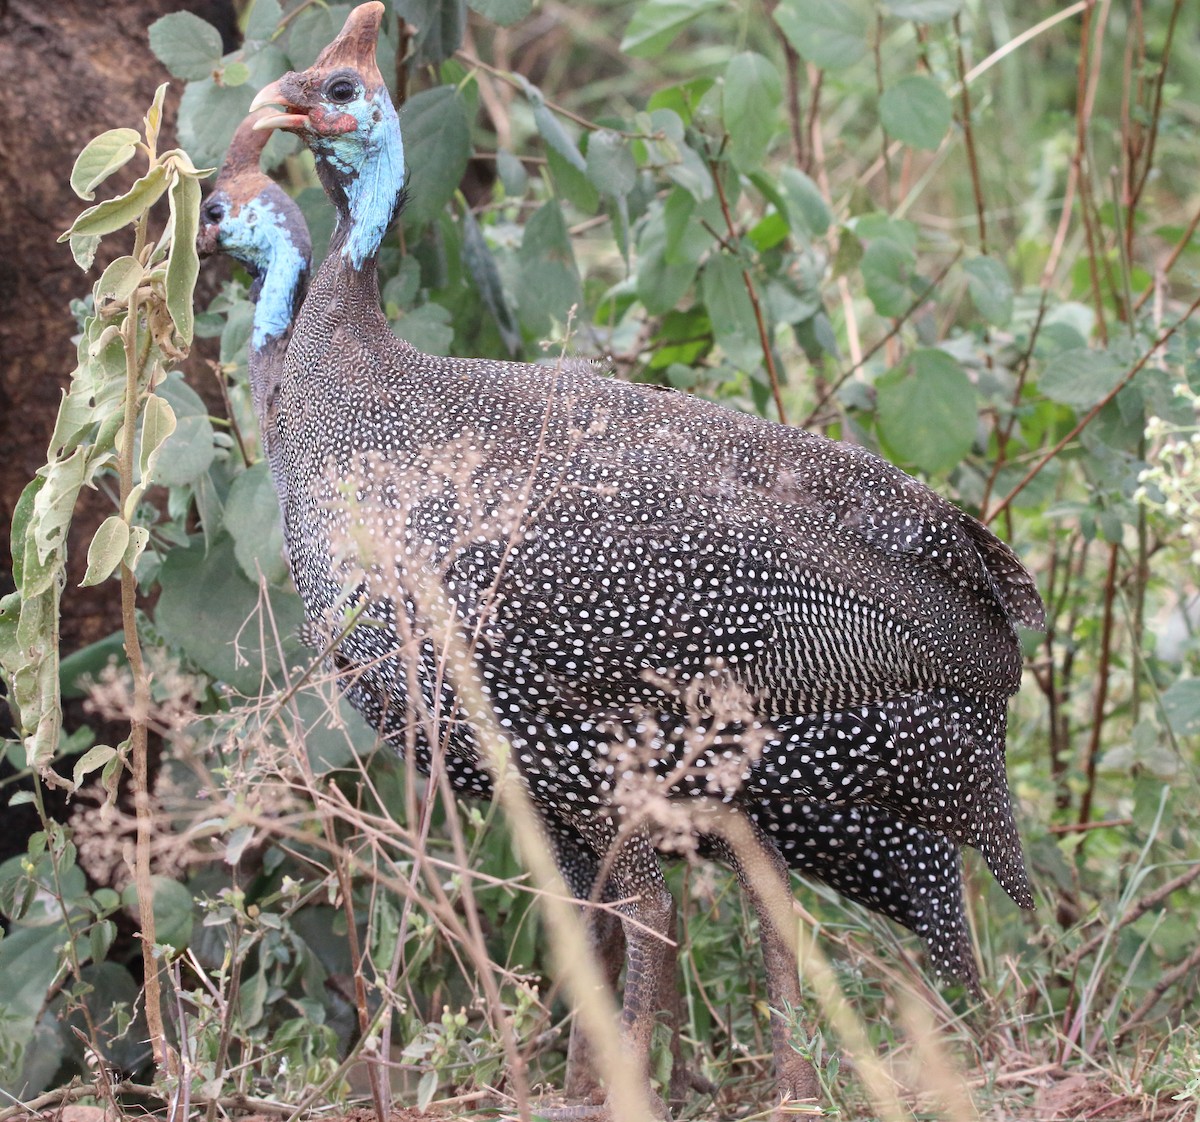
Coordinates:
(341, 90)
(213, 211)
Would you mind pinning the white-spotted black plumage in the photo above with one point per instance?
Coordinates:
(622, 561)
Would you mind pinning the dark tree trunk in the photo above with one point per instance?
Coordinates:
(72, 69)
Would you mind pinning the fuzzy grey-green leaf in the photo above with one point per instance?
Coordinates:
(112, 214)
(100, 158)
(158, 422)
(106, 550)
(183, 263)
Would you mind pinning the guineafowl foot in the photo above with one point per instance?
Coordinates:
(600, 1112)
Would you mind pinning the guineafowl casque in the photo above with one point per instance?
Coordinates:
(623, 558)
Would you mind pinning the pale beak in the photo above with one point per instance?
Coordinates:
(273, 95)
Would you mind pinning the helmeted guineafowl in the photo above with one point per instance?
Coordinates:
(621, 558)
(250, 218)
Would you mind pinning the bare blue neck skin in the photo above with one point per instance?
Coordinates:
(270, 242)
(363, 173)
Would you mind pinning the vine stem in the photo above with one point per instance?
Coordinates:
(764, 337)
(141, 695)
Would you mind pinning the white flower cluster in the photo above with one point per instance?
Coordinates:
(1171, 484)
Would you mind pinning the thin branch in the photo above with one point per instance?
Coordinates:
(1091, 414)
(1145, 904)
(877, 346)
(1170, 977)
(764, 337)
(1103, 671)
(969, 136)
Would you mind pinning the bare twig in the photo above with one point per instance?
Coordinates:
(1092, 413)
(764, 337)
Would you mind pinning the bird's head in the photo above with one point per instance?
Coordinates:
(247, 214)
(252, 219)
(239, 182)
(341, 109)
(340, 104)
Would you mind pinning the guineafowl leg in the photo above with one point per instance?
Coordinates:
(649, 955)
(606, 938)
(645, 916)
(764, 876)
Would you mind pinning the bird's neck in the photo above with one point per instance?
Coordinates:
(363, 173)
(280, 287)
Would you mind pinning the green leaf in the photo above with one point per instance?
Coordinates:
(887, 270)
(503, 12)
(927, 412)
(1080, 377)
(100, 158)
(925, 11)
(556, 136)
(427, 327)
(189, 450)
(183, 263)
(439, 24)
(106, 551)
(426, 1088)
(203, 611)
(158, 422)
(991, 289)
(610, 163)
(512, 174)
(549, 284)
(729, 308)
(807, 209)
(572, 184)
(484, 272)
(253, 521)
(102, 934)
(234, 74)
(437, 143)
(656, 22)
(208, 116)
(92, 760)
(752, 97)
(828, 33)
(186, 45)
(264, 19)
(112, 214)
(916, 111)
(1181, 705)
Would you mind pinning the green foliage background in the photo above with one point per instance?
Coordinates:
(960, 234)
